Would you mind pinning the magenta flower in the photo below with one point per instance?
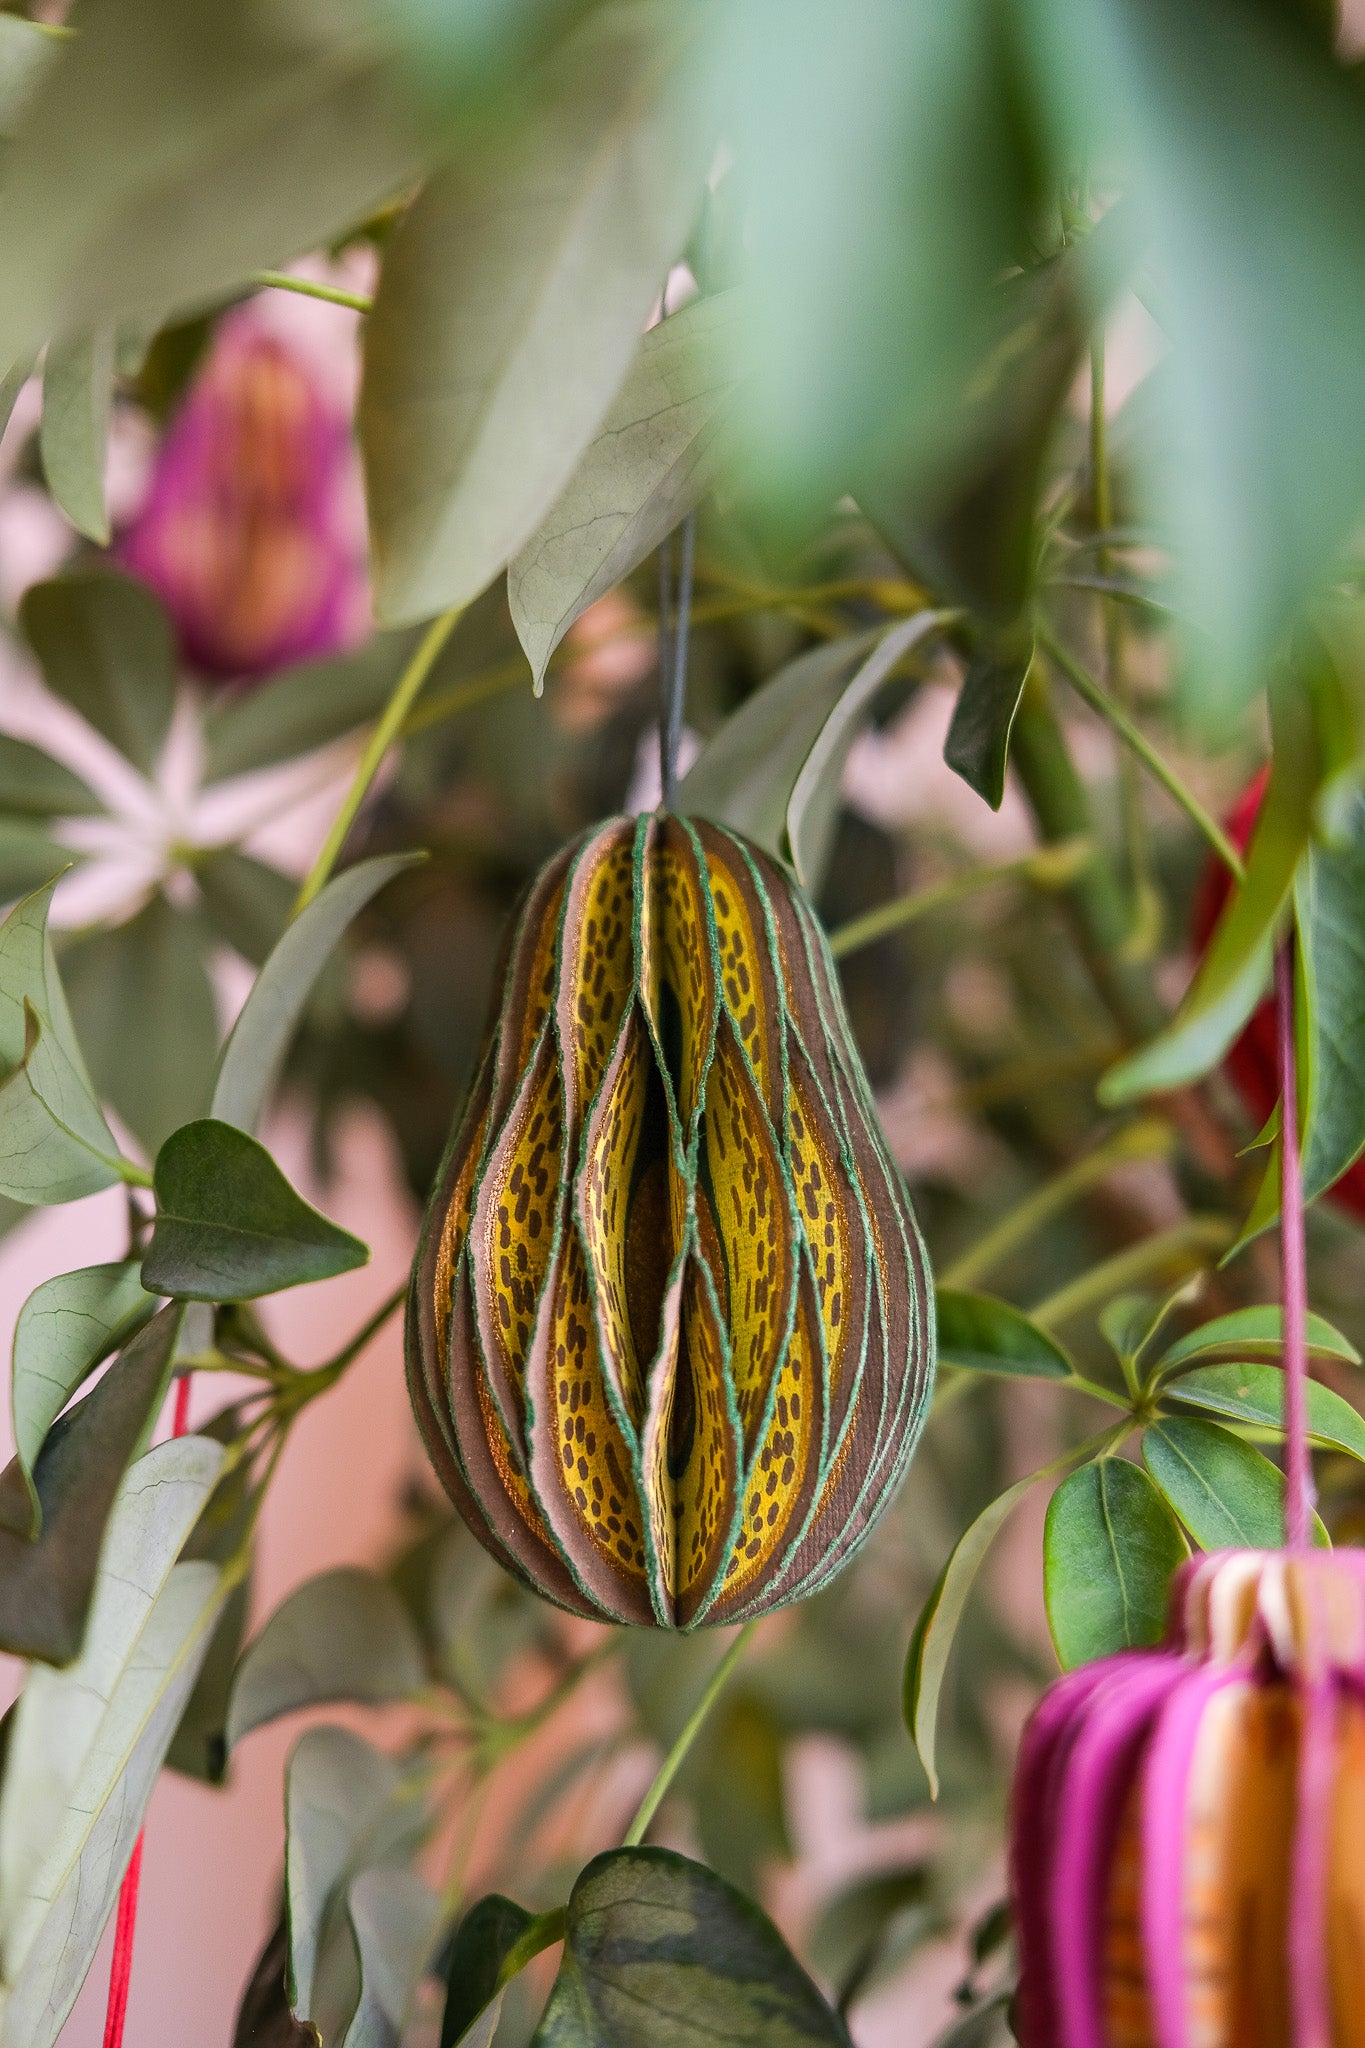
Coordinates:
(249, 534)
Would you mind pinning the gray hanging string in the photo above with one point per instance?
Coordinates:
(674, 623)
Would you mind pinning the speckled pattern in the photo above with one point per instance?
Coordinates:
(670, 1336)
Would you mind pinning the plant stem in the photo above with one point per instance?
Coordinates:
(1173, 1246)
(1052, 869)
(133, 1175)
(672, 1763)
(357, 1344)
(1149, 1138)
(281, 281)
(543, 1932)
(1087, 688)
(673, 676)
(463, 696)
(386, 731)
(1299, 1496)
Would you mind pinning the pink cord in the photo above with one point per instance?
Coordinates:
(1299, 1493)
(125, 1925)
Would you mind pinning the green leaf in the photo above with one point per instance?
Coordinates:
(305, 708)
(78, 384)
(32, 781)
(46, 1585)
(1330, 911)
(246, 902)
(1228, 1496)
(1256, 1332)
(394, 1919)
(344, 1635)
(660, 1952)
(1251, 1392)
(1232, 974)
(871, 1928)
(223, 1535)
(104, 643)
(483, 1940)
(28, 856)
(1110, 1547)
(256, 1046)
(230, 1228)
(511, 305)
(170, 153)
(64, 1329)
(980, 1334)
(54, 1143)
(651, 459)
(978, 742)
(26, 50)
(146, 1016)
(926, 1662)
(263, 2017)
(50, 1937)
(348, 1808)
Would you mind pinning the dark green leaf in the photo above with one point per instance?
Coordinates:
(1110, 1547)
(78, 384)
(27, 857)
(978, 742)
(230, 1228)
(981, 1334)
(246, 902)
(64, 1329)
(263, 2017)
(483, 1940)
(305, 708)
(645, 469)
(46, 1585)
(169, 153)
(32, 781)
(511, 305)
(105, 644)
(1330, 909)
(1228, 1496)
(659, 1952)
(737, 1784)
(256, 1046)
(344, 1635)
(1251, 1392)
(145, 1012)
(1256, 1332)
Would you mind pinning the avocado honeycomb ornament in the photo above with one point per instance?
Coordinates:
(670, 1334)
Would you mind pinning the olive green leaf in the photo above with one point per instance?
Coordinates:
(46, 1584)
(646, 467)
(483, 1940)
(1330, 912)
(256, 1046)
(65, 1328)
(104, 643)
(1252, 1392)
(229, 1227)
(1226, 1493)
(28, 855)
(660, 1952)
(31, 781)
(1110, 1548)
(245, 901)
(78, 384)
(343, 1635)
(26, 50)
(978, 741)
(1255, 1332)
(511, 305)
(980, 1334)
(304, 708)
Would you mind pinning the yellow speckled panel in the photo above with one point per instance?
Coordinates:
(782, 1477)
(597, 980)
(531, 980)
(746, 972)
(680, 990)
(455, 1230)
(822, 1208)
(604, 1202)
(702, 1454)
(515, 1212)
(592, 1458)
(749, 1204)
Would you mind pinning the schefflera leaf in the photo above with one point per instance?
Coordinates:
(670, 1335)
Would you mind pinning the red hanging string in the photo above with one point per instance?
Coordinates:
(125, 1924)
(1299, 1493)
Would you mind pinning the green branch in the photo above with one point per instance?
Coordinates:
(281, 281)
(1181, 1245)
(1053, 868)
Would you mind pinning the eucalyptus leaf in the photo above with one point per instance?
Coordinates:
(78, 384)
(65, 1328)
(394, 1917)
(46, 1584)
(645, 469)
(31, 781)
(1110, 1548)
(511, 304)
(257, 1044)
(343, 1635)
(980, 1334)
(1228, 1496)
(1252, 1392)
(483, 1940)
(931, 1645)
(660, 1952)
(978, 740)
(1256, 1332)
(104, 643)
(230, 1228)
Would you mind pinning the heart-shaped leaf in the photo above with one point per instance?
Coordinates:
(484, 1939)
(344, 1635)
